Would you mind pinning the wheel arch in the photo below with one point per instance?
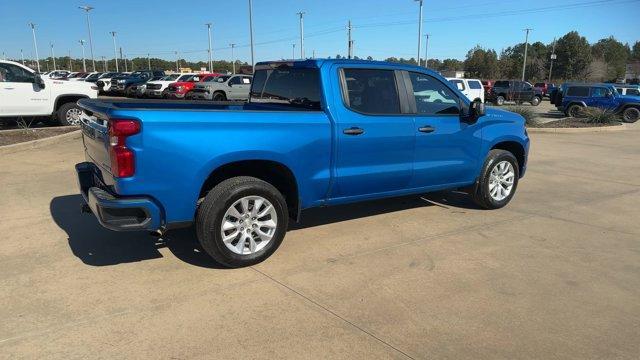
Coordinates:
(275, 173)
(67, 98)
(516, 148)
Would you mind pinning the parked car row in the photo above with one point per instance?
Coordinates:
(501, 91)
(621, 99)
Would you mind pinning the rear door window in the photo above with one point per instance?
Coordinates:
(475, 85)
(599, 92)
(501, 84)
(371, 91)
(298, 87)
(579, 91)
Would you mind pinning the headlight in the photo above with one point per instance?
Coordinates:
(121, 81)
(180, 88)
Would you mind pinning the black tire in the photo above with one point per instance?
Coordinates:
(481, 193)
(631, 115)
(219, 96)
(212, 210)
(64, 111)
(575, 111)
(130, 93)
(499, 100)
(536, 101)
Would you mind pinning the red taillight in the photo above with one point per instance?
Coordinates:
(122, 158)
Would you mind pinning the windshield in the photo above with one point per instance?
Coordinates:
(170, 77)
(299, 87)
(185, 77)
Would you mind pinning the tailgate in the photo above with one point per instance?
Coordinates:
(95, 137)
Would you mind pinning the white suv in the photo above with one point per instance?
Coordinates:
(23, 92)
(471, 88)
(156, 87)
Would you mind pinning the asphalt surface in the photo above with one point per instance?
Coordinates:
(555, 275)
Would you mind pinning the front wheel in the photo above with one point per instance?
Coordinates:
(499, 100)
(242, 221)
(219, 96)
(631, 115)
(535, 101)
(498, 180)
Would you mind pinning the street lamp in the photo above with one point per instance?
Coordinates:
(209, 34)
(526, 45)
(301, 14)
(53, 56)
(253, 64)
(233, 60)
(87, 9)
(419, 31)
(426, 51)
(293, 52)
(84, 62)
(115, 48)
(35, 43)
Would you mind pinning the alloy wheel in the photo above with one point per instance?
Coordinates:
(248, 225)
(501, 180)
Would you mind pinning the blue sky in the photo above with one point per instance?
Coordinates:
(381, 28)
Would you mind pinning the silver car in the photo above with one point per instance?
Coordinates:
(221, 88)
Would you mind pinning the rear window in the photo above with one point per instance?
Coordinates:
(459, 84)
(578, 91)
(634, 92)
(299, 87)
(504, 84)
(371, 91)
(475, 85)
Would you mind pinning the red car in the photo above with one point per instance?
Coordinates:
(488, 86)
(543, 87)
(178, 90)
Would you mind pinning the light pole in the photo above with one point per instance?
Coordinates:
(293, 52)
(35, 43)
(349, 41)
(87, 9)
(253, 64)
(209, 33)
(149, 61)
(301, 14)
(426, 51)
(419, 31)
(70, 64)
(104, 64)
(115, 48)
(553, 57)
(84, 63)
(22, 56)
(526, 45)
(233, 60)
(177, 63)
(53, 56)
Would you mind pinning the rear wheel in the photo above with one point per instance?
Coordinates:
(498, 180)
(500, 100)
(69, 114)
(219, 96)
(575, 111)
(535, 101)
(631, 115)
(242, 221)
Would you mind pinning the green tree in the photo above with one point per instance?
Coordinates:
(635, 51)
(481, 63)
(614, 53)
(573, 57)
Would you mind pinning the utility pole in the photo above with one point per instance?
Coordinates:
(177, 63)
(125, 62)
(70, 63)
(104, 64)
(149, 61)
(313, 54)
(301, 14)
(53, 56)
(419, 31)
(553, 57)
(35, 44)
(233, 60)
(526, 45)
(87, 9)
(210, 60)
(253, 64)
(293, 52)
(115, 48)
(426, 51)
(349, 41)
(22, 56)
(84, 63)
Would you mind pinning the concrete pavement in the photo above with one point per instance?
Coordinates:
(555, 275)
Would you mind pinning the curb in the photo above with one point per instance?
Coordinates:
(38, 143)
(622, 127)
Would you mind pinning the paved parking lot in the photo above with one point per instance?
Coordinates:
(555, 275)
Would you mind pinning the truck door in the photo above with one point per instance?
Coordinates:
(447, 148)
(20, 95)
(237, 89)
(374, 132)
(602, 98)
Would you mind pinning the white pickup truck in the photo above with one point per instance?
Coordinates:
(24, 93)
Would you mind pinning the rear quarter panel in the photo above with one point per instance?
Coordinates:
(177, 150)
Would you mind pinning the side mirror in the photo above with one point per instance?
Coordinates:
(39, 81)
(477, 109)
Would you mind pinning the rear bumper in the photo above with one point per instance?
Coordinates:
(114, 212)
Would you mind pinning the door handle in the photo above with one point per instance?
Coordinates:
(427, 129)
(353, 131)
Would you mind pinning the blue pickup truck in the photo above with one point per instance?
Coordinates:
(314, 133)
(572, 99)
